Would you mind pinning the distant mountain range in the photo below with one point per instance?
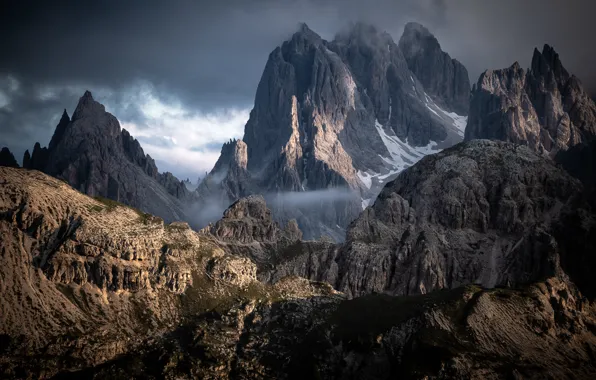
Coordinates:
(333, 122)
(467, 261)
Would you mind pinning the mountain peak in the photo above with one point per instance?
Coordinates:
(445, 79)
(548, 61)
(87, 106)
(416, 28)
(305, 34)
(65, 116)
(303, 28)
(7, 158)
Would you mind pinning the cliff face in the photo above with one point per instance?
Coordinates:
(347, 114)
(93, 154)
(100, 278)
(545, 107)
(484, 212)
(466, 333)
(98, 290)
(445, 79)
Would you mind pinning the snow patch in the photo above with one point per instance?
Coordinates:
(457, 121)
(365, 178)
(401, 155)
(365, 203)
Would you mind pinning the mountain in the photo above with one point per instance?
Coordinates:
(93, 154)
(444, 79)
(544, 107)
(96, 289)
(7, 158)
(337, 119)
(482, 212)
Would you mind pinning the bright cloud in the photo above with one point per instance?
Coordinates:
(182, 141)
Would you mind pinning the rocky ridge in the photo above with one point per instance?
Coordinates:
(484, 212)
(96, 289)
(445, 79)
(85, 280)
(345, 114)
(544, 107)
(93, 154)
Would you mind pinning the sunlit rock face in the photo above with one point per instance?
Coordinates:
(544, 107)
(345, 115)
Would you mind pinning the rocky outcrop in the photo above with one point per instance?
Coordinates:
(93, 154)
(7, 158)
(173, 185)
(248, 220)
(580, 162)
(229, 178)
(96, 289)
(38, 159)
(345, 115)
(543, 331)
(445, 79)
(545, 107)
(59, 131)
(248, 229)
(483, 212)
(132, 149)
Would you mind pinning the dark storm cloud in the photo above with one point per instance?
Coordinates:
(207, 55)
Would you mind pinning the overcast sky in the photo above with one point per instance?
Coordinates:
(181, 75)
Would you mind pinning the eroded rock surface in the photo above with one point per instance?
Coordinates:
(333, 120)
(483, 212)
(93, 154)
(466, 333)
(545, 107)
(96, 289)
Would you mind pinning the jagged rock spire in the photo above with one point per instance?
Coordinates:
(27, 159)
(60, 129)
(544, 107)
(87, 106)
(549, 63)
(445, 79)
(7, 158)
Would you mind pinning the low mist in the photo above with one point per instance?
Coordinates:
(284, 206)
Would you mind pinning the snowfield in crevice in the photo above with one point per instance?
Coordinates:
(457, 121)
(401, 154)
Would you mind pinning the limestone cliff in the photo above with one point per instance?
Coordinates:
(545, 107)
(92, 153)
(95, 289)
(345, 116)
